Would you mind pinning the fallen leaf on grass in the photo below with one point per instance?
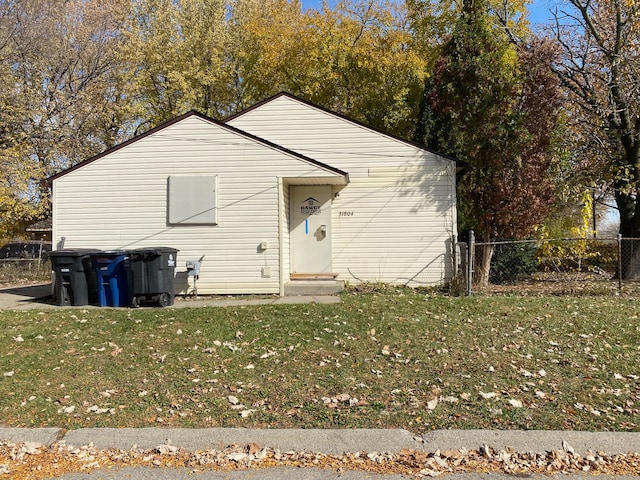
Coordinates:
(98, 410)
(116, 349)
(489, 395)
(343, 397)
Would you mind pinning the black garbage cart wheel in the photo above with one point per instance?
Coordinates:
(164, 299)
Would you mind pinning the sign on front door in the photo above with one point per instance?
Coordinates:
(310, 230)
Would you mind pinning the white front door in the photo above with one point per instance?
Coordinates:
(310, 216)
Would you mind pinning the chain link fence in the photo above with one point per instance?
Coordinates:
(24, 262)
(550, 266)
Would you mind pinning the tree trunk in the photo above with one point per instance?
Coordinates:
(628, 202)
(630, 248)
(484, 254)
(630, 259)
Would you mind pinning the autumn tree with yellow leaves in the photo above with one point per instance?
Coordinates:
(58, 103)
(84, 75)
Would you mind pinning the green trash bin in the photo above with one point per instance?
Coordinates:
(152, 275)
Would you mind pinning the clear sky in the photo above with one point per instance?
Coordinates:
(538, 9)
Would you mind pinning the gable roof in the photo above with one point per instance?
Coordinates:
(194, 113)
(459, 163)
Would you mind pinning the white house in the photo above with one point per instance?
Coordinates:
(282, 192)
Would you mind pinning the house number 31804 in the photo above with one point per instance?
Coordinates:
(346, 214)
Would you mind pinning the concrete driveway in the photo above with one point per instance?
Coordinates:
(39, 296)
(26, 297)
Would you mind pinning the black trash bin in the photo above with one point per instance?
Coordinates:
(152, 272)
(75, 279)
(113, 278)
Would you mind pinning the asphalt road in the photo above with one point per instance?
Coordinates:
(276, 473)
(284, 473)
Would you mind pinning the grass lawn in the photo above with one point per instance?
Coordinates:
(391, 358)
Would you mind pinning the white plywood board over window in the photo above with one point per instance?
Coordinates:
(193, 200)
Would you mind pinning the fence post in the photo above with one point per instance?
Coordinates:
(470, 255)
(454, 255)
(619, 261)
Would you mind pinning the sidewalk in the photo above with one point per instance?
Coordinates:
(333, 441)
(377, 442)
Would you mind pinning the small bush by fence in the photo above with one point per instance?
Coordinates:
(24, 272)
(559, 266)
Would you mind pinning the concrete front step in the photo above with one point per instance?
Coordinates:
(313, 287)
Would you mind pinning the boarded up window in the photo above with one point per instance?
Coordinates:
(193, 200)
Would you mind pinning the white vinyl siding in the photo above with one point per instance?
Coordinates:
(383, 233)
(395, 220)
(119, 201)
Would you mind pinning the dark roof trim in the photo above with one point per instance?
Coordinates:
(458, 162)
(49, 181)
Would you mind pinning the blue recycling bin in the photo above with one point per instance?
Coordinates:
(112, 278)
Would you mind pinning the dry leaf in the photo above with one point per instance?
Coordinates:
(489, 395)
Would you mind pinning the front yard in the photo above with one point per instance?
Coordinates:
(386, 358)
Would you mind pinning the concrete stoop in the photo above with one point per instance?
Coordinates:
(313, 287)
